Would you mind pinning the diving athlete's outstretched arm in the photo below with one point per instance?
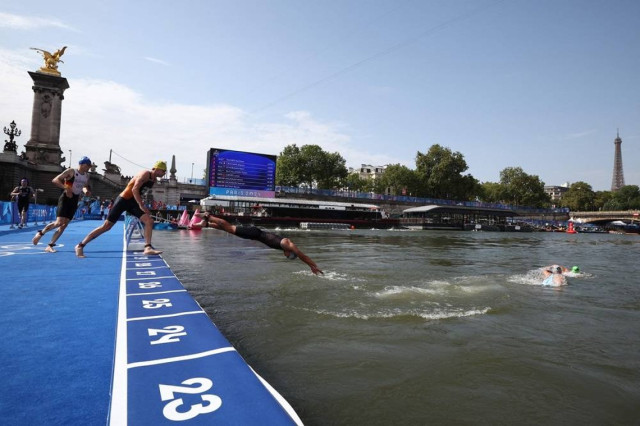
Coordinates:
(289, 246)
(286, 244)
(219, 223)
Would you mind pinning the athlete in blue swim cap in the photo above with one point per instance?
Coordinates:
(74, 183)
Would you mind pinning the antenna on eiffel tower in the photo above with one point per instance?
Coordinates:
(618, 175)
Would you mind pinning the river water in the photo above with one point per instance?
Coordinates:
(428, 327)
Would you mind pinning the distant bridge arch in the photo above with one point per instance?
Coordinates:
(628, 216)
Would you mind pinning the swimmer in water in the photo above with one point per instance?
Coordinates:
(291, 251)
(554, 275)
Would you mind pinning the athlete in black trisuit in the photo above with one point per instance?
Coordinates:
(130, 201)
(23, 193)
(73, 182)
(272, 240)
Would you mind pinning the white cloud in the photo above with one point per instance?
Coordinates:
(99, 116)
(157, 61)
(578, 135)
(18, 22)
(17, 96)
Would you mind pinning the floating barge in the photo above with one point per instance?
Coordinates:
(462, 218)
(288, 212)
(322, 225)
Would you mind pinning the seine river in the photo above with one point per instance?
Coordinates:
(428, 327)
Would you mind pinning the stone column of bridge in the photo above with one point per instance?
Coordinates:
(43, 147)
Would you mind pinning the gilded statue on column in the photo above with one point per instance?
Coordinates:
(51, 60)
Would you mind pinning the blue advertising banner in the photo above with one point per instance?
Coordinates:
(9, 214)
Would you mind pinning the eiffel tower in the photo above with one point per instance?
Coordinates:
(618, 175)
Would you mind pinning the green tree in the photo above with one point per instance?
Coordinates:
(601, 199)
(631, 194)
(398, 179)
(310, 165)
(440, 175)
(310, 162)
(579, 197)
(491, 192)
(625, 198)
(523, 189)
(613, 205)
(354, 182)
(332, 170)
(288, 165)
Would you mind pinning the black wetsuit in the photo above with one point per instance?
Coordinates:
(125, 202)
(67, 206)
(254, 233)
(24, 196)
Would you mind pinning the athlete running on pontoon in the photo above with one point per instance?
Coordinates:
(130, 201)
(272, 240)
(73, 182)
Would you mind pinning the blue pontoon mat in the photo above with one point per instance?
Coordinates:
(58, 315)
(58, 363)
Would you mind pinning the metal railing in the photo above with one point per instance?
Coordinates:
(409, 199)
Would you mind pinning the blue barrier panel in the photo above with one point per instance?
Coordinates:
(41, 213)
(37, 213)
(7, 210)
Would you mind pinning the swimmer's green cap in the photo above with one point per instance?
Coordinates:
(575, 269)
(160, 165)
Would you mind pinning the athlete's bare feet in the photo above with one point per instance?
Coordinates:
(79, 251)
(148, 249)
(50, 249)
(37, 237)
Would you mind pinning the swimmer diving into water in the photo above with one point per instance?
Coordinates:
(291, 251)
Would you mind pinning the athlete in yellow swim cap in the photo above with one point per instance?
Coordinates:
(130, 201)
(160, 165)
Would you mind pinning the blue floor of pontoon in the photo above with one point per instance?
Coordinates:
(60, 315)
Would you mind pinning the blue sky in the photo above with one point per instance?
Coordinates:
(542, 85)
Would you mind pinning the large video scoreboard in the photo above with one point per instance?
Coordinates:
(241, 173)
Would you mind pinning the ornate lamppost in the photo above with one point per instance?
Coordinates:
(12, 132)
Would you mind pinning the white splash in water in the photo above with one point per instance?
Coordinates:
(333, 276)
(535, 277)
(454, 314)
(395, 291)
(436, 314)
